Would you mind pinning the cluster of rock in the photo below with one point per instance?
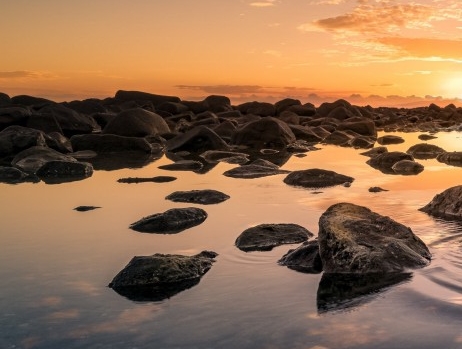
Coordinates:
(70, 139)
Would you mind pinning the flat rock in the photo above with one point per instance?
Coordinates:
(316, 178)
(353, 239)
(390, 139)
(375, 151)
(57, 171)
(86, 208)
(31, 159)
(215, 156)
(451, 158)
(376, 189)
(160, 276)
(183, 165)
(171, 221)
(426, 137)
(256, 169)
(203, 197)
(12, 175)
(407, 167)
(447, 204)
(156, 179)
(425, 151)
(109, 143)
(304, 258)
(197, 140)
(385, 161)
(265, 237)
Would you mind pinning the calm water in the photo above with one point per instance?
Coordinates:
(56, 263)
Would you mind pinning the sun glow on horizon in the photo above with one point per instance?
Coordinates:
(452, 86)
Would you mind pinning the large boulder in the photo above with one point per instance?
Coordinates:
(142, 97)
(160, 276)
(107, 143)
(33, 158)
(447, 204)
(136, 122)
(425, 151)
(15, 139)
(316, 178)
(267, 132)
(171, 221)
(353, 239)
(265, 237)
(13, 115)
(197, 140)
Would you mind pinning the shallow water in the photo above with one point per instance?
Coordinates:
(56, 263)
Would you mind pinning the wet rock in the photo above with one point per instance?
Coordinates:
(86, 208)
(265, 237)
(359, 125)
(451, 158)
(183, 165)
(338, 138)
(136, 122)
(214, 156)
(160, 276)
(268, 132)
(385, 161)
(203, 197)
(390, 139)
(256, 169)
(157, 179)
(300, 146)
(11, 175)
(425, 151)
(54, 172)
(15, 139)
(407, 167)
(304, 258)
(316, 178)
(108, 143)
(447, 204)
(353, 239)
(307, 134)
(171, 221)
(426, 137)
(197, 140)
(376, 189)
(33, 158)
(59, 142)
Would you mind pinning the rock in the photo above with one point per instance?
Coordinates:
(30, 101)
(304, 258)
(265, 237)
(338, 138)
(31, 159)
(10, 115)
(203, 197)
(353, 239)
(215, 156)
(447, 204)
(218, 104)
(87, 106)
(451, 158)
(257, 108)
(390, 139)
(359, 125)
(385, 161)
(15, 139)
(108, 143)
(197, 140)
(425, 137)
(306, 134)
(376, 189)
(407, 167)
(86, 208)
(268, 132)
(284, 104)
(11, 175)
(375, 151)
(300, 146)
(255, 169)
(53, 172)
(171, 221)
(425, 151)
(59, 142)
(316, 178)
(173, 108)
(142, 97)
(157, 179)
(183, 165)
(307, 109)
(136, 122)
(160, 276)
(290, 118)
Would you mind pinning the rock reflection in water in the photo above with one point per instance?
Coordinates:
(122, 160)
(339, 292)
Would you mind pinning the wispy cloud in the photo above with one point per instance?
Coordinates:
(25, 74)
(266, 3)
(222, 89)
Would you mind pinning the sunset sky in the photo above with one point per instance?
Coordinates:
(247, 50)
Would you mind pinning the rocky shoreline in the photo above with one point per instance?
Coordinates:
(41, 140)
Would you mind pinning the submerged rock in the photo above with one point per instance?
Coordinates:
(86, 208)
(425, 151)
(385, 161)
(426, 137)
(407, 167)
(265, 237)
(203, 197)
(376, 189)
(58, 171)
(171, 221)
(375, 151)
(316, 178)
(183, 165)
(353, 239)
(390, 139)
(304, 258)
(447, 204)
(256, 169)
(160, 276)
(157, 179)
(451, 158)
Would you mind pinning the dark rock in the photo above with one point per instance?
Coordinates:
(11, 175)
(203, 196)
(426, 137)
(267, 132)
(345, 291)
(302, 110)
(316, 178)
(307, 134)
(265, 237)
(14, 139)
(136, 122)
(44, 122)
(171, 221)
(375, 151)
(110, 161)
(290, 118)
(218, 104)
(284, 104)
(183, 165)
(362, 142)
(447, 204)
(87, 106)
(126, 96)
(451, 158)
(256, 169)
(257, 108)
(108, 143)
(54, 172)
(301, 146)
(5, 100)
(346, 109)
(59, 142)
(160, 276)
(214, 156)
(13, 116)
(385, 161)
(376, 189)
(197, 140)
(31, 159)
(338, 138)
(425, 151)
(157, 179)
(304, 258)
(30, 101)
(173, 108)
(353, 239)
(407, 167)
(359, 125)
(86, 208)
(390, 139)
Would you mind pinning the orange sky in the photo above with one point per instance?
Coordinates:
(248, 50)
